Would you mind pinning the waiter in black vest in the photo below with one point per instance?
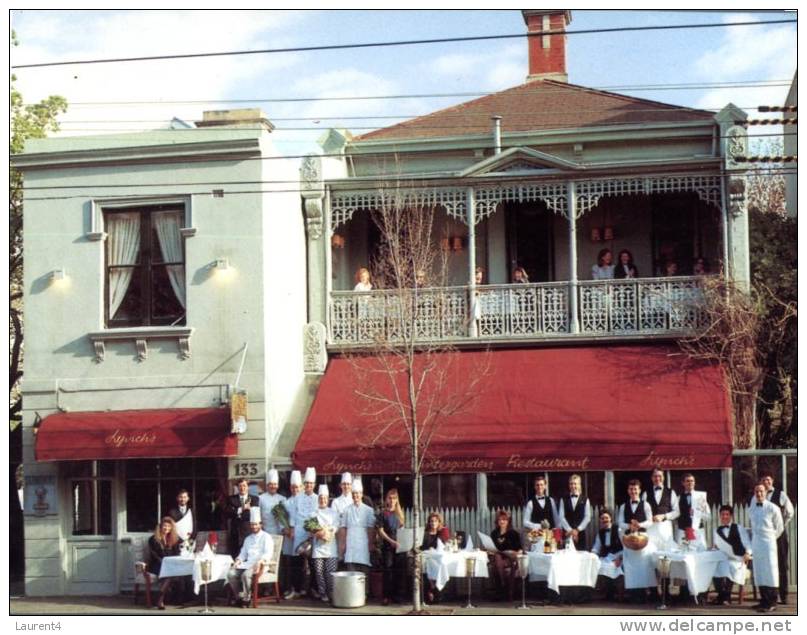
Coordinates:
(608, 548)
(540, 507)
(732, 540)
(663, 503)
(574, 512)
(779, 498)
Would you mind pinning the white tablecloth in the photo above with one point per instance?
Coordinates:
(189, 565)
(565, 568)
(696, 567)
(443, 565)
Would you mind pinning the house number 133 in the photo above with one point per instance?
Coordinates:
(246, 469)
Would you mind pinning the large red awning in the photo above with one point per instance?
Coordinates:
(603, 408)
(136, 434)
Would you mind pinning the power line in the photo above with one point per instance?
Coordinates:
(334, 47)
(768, 83)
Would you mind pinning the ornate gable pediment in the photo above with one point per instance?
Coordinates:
(520, 161)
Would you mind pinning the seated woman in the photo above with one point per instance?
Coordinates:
(435, 530)
(164, 542)
(508, 543)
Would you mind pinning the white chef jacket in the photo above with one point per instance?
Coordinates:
(256, 548)
(639, 566)
(734, 568)
(700, 512)
(357, 519)
(528, 512)
(662, 533)
(766, 526)
(583, 523)
(291, 506)
(341, 503)
(304, 509)
(267, 503)
(185, 524)
(327, 517)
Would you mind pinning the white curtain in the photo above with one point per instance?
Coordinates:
(167, 225)
(123, 246)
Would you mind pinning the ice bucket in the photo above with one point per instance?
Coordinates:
(349, 589)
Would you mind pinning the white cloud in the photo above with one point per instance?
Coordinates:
(495, 68)
(90, 35)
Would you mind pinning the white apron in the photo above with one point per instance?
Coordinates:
(291, 505)
(305, 508)
(734, 568)
(327, 518)
(357, 520)
(639, 567)
(766, 527)
(185, 525)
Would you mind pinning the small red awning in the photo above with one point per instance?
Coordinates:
(603, 408)
(136, 434)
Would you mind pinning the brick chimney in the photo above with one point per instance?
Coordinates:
(547, 52)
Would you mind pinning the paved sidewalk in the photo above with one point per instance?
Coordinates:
(122, 605)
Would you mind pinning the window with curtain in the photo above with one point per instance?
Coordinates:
(145, 266)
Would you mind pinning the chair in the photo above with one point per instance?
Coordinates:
(268, 573)
(138, 550)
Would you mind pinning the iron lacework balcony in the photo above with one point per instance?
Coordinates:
(607, 309)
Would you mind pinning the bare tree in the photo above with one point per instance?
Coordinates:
(409, 381)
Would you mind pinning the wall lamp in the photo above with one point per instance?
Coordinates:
(222, 264)
(57, 275)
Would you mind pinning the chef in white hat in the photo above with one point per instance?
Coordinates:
(357, 531)
(268, 501)
(324, 554)
(291, 561)
(256, 550)
(341, 503)
(305, 507)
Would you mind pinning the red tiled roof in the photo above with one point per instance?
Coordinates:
(538, 105)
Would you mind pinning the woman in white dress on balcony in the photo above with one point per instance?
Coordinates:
(604, 268)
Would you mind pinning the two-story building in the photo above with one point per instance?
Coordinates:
(584, 374)
(164, 306)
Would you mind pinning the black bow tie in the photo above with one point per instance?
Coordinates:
(658, 489)
(759, 504)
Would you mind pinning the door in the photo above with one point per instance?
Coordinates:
(91, 548)
(529, 240)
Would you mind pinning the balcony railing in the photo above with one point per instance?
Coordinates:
(646, 306)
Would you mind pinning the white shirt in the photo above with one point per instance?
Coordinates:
(341, 503)
(363, 286)
(784, 501)
(620, 516)
(327, 518)
(606, 272)
(586, 514)
(357, 519)
(256, 548)
(528, 511)
(267, 503)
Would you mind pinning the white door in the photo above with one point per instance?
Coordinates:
(90, 531)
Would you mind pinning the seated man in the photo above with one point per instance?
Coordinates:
(256, 550)
(609, 549)
(732, 540)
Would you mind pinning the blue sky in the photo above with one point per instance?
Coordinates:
(696, 56)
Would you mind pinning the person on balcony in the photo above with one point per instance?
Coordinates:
(390, 520)
(164, 542)
(604, 268)
(505, 563)
(363, 282)
(520, 276)
(700, 267)
(625, 267)
(670, 268)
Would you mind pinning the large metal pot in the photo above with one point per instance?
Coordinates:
(349, 589)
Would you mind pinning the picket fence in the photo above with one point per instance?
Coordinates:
(472, 519)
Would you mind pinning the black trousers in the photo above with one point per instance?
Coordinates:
(723, 586)
(393, 565)
(782, 551)
(768, 595)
